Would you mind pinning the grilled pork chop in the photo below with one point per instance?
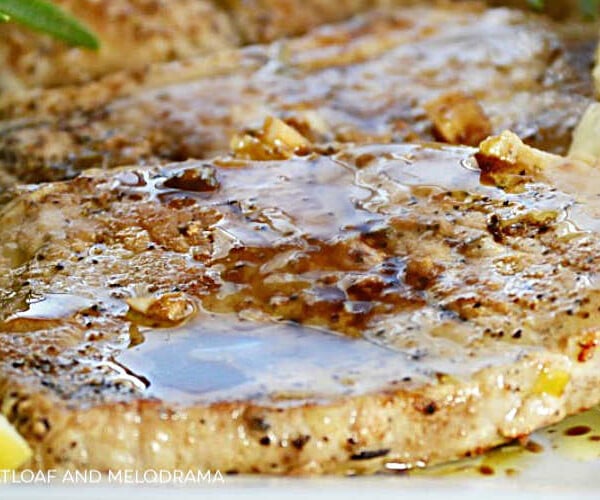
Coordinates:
(454, 74)
(373, 307)
(267, 20)
(133, 33)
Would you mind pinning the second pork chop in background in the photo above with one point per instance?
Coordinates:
(133, 33)
(455, 74)
(266, 20)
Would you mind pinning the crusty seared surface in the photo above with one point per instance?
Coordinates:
(260, 21)
(369, 80)
(480, 289)
(263, 21)
(133, 34)
(560, 9)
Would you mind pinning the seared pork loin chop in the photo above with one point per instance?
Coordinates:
(454, 74)
(344, 311)
(133, 34)
(562, 9)
(267, 20)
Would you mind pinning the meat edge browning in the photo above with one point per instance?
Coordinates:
(352, 435)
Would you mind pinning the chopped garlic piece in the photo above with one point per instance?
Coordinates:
(279, 133)
(14, 450)
(509, 148)
(458, 118)
(276, 141)
(586, 137)
(167, 308)
(509, 163)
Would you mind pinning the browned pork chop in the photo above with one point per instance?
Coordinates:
(377, 307)
(456, 74)
(268, 20)
(133, 33)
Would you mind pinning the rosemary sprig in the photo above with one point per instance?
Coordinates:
(536, 4)
(47, 18)
(589, 8)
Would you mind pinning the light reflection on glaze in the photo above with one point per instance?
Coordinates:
(218, 357)
(53, 306)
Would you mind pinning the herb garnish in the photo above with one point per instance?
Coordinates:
(46, 17)
(589, 8)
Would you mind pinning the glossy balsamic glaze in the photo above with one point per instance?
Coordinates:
(281, 282)
(317, 292)
(220, 358)
(301, 221)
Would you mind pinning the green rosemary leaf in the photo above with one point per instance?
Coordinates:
(43, 16)
(590, 8)
(536, 4)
